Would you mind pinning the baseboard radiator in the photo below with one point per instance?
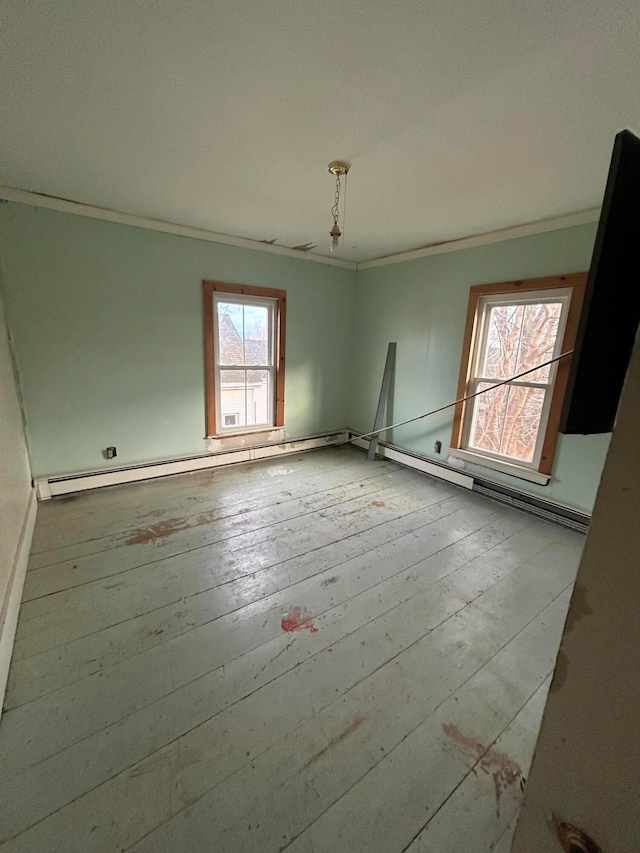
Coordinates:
(50, 487)
(532, 504)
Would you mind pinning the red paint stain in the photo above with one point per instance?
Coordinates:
(298, 619)
(358, 721)
(162, 529)
(378, 503)
(155, 513)
(504, 770)
(158, 531)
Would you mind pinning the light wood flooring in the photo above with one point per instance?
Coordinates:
(317, 654)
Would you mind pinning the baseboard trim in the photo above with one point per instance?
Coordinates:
(53, 486)
(541, 508)
(420, 463)
(11, 607)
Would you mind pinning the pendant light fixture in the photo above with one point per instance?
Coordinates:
(338, 168)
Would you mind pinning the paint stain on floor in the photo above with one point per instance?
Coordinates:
(298, 619)
(158, 531)
(357, 722)
(504, 770)
(162, 529)
(329, 581)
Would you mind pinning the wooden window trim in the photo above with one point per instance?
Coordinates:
(577, 282)
(211, 287)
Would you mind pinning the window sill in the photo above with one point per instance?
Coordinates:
(247, 438)
(519, 471)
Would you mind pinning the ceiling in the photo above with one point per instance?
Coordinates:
(458, 118)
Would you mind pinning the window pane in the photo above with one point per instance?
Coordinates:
(232, 398)
(259, 397)
(538, 339)
(245, 398)
(518, 338)
(488, 422)
(256, 334)
(503, 335)
(243, 333)
(229, 333)
(522, 422)
(506, 421)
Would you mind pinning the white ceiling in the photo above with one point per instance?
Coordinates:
(458, 117)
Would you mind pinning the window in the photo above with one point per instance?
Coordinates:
(512, 327)
(244, 344)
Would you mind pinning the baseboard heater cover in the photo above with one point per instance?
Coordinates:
(50, 487)
(414, 460)
(539, 507)
(548, 510)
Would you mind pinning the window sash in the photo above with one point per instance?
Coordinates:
(483, 313)
(270, 367)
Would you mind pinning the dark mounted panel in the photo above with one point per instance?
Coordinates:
(612, 301)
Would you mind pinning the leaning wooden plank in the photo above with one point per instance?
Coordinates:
(312, 686)
(510, 539)
(382, 401)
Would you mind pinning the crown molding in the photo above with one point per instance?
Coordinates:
(107, 215)
(540, 227)
(103, 213)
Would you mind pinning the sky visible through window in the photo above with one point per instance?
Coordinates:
(250, 321)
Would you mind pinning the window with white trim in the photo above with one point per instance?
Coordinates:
(514, 327)
(244, 336)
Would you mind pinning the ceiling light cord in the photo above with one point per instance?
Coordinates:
(344, 205)
(463, 399)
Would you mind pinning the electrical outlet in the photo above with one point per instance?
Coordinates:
(111, 453)
(438, 447)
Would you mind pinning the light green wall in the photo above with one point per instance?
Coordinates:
(422, 305)
(108, 333)
(107, 327)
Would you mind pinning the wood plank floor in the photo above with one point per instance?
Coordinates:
(316, 654)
